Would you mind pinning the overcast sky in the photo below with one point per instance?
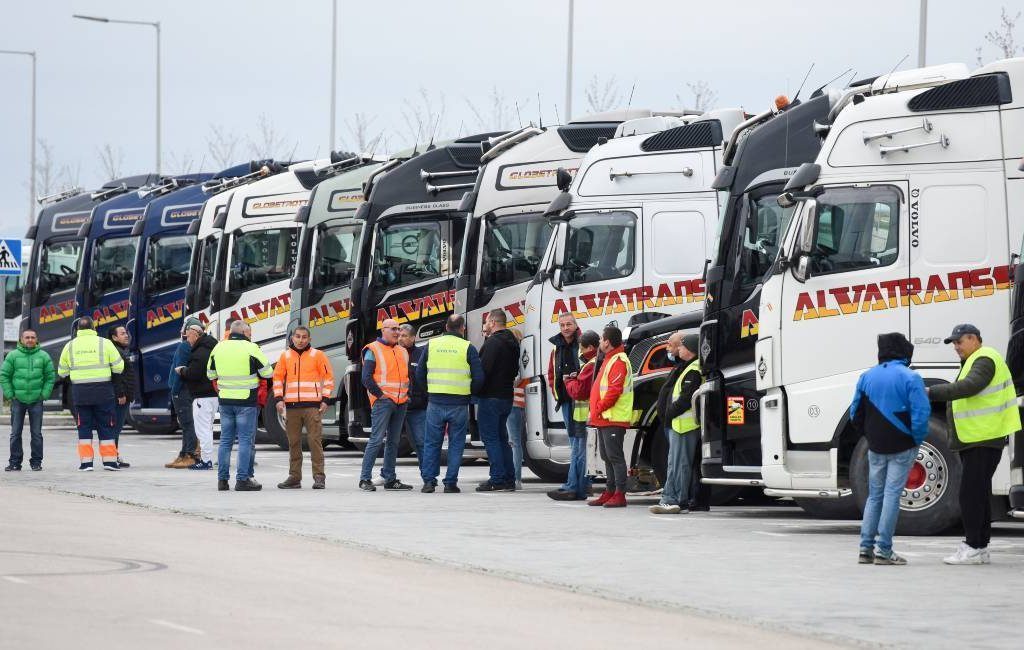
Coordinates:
(229, 62)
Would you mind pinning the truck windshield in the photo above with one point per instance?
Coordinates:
(855, 228)
(333, 258)
(262, 257)
(407, 253)
(113, 264)
(512, 248)
(600, 246)
(58, 267)
(167, 261)
(766, 222)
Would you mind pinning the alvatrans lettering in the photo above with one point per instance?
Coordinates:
(263, 309)
(608, 303)
(414, 309)
(163, 314)
(110, 313)
(57, 311)
(329, 312)
(516, 313)
(904, 292)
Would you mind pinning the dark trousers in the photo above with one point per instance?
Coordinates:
(610, 440)
(120, 415)
(979, 464)
(492, 419)
(700, 494)
(183, 410)
(101, 419)
(35, 425)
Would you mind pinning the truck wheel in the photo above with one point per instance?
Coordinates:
(549, 471)
(929, 505)
(274, 424)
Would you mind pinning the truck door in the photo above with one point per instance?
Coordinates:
(960, 261)
(52, 298)
(110, 278)
(860, 256)
(260, 266)
(676, 244)
(597, 279)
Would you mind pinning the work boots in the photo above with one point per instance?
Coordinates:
(618, 500)
(319, 482)
(174, 463)
(605, 497)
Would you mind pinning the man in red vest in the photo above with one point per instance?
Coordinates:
(386, 379)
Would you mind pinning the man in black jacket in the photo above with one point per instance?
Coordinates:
(416, 407)
(204, 397)
(499, 357)
(124, 386)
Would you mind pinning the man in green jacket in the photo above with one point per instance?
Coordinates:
(27, 378)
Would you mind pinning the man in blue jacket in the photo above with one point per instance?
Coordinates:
(181, 399)
(890, 408)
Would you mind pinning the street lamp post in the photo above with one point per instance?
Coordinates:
(32, 149)
(156, 26)
(334, 72)
(922, 33)
(568, 66)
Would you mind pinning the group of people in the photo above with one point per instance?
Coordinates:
(892, 407)
(430, 389)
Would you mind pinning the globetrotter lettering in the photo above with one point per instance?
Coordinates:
(330, 312)
(110, 313)
(57, 311)
(892, 294)
(164, 314)
(608, 303)
(263, 309)
(749, 324)
(414, 309)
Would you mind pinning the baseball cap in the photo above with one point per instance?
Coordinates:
(192, 322)
(960, 330)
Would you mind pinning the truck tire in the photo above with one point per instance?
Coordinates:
(547, 470)
(274, 424)
(930, 505)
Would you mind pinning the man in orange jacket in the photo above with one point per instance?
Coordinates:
(611, 411)
(385, 376)
(303, 382)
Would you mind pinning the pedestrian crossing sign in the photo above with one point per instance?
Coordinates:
(10, 257)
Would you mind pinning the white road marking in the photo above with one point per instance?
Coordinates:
(17, 581)
(175, 626)
(765, 532)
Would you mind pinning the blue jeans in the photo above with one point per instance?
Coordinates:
(236, 422)
(120, 415)
(578, 478)
(887, 476)
(183, 410)
(457, 419)
(386, 420)
(571, 428)
(515, 423)
(492, 420)
(35, 426)
(417, 421)
(681, 448)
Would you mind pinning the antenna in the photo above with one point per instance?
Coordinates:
(888, 76)
(558, 120)
(841, 74)
(519, 115)
(629, 102)
(540, 113)
(433, 133)
(802, 83)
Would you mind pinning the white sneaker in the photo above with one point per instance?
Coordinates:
(967, 555)
(664, 509)
(986, 558)
(379, 481)
(519, 485)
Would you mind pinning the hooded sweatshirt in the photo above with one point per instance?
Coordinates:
(499, 356)
(890, 407)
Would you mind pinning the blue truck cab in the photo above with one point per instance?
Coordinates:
(48, 301)
(156, 300)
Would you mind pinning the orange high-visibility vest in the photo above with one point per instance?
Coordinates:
(391, 371)
(303, 377)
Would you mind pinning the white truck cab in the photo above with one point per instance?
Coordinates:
(631, 238)
(906, 222)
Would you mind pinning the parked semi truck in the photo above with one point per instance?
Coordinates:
(48, 301)
(906, 222)
(321, 286)
(631, 237)
(413, 228)
(156, 301)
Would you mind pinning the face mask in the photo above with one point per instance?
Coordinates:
(671, 357)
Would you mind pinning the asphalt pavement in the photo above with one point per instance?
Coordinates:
(766, 574)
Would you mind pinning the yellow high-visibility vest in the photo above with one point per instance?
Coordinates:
(233, 374)
(622, 410)
(687, 421)
(992, 413)
(89, 359)
(448, 368)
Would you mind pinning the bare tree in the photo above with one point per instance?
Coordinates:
(221, 145)
(1003, 38)
(423, 116)
(603, 96)
(183, 163)
(363, 137)
(497, 113)
(702, 96)
(47, 174)
(111, 160)
(268, 142)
